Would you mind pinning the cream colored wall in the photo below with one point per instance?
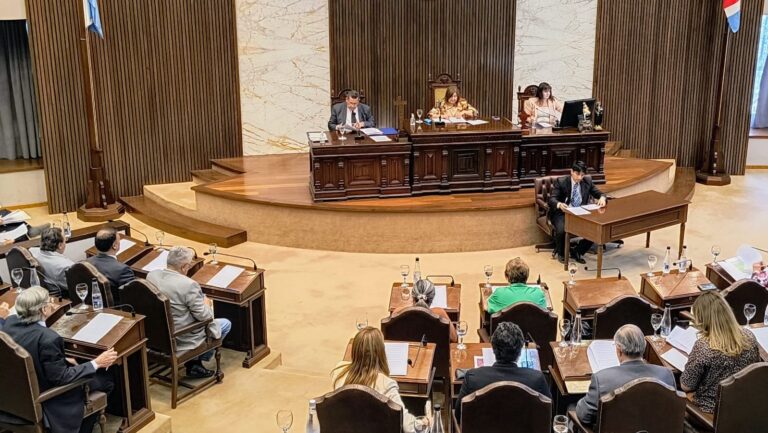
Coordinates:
(24, 187)
(757, 152)
(12, 10)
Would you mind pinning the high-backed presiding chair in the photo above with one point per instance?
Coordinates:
(150, 302)
(356, 409)
(438, 87)
(341, 96)
(641, 405)
(621, 311)
(746, 292)
(740, 406)
(489, 410)
(522, 96)
(85, 273)
(21, 405)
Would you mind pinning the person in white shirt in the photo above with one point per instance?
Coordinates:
(53, 263)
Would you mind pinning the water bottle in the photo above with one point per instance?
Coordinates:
(577, 330)
(96, 301)
(66, 227)
(313, 426)
(437, 420)
(666, 322)
(667, 261)
(682, 262)
(416, 271)
(413, 121)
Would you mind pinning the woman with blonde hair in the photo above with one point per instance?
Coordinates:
(369, 368)
(723, 349)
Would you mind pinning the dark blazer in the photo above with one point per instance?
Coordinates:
(478, 378)
(605, 381)
(117, 273)
(339, 115)
(561, 193)
(46, 347)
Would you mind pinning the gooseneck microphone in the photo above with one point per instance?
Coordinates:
(114, 307)
(412, 362)
(207, 253)
(146, 239)
(618, 277)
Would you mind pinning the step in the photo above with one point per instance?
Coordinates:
(181, 225)
(613, 147)
(208, 176)
(228, 166)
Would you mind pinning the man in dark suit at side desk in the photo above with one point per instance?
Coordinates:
(351, 112)
(118, 273)
(571, 191)
(507, 341)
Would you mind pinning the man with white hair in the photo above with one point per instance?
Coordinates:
(630, 347)
(63, 413)
(188, 305)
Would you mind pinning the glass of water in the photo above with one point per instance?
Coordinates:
(656, 324)
(419, 113)
(404, 271)
(461, 331)
(284, 420)
(565, 328)
(160, 236)
(749, 313)
(82, 292)
(560, 424)
(572, 268)
(715, 250)
(651, 264)
(361, 323)
(17, 274)
(488, 270)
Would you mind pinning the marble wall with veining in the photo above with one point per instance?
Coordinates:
(555, 42)
(284, 72)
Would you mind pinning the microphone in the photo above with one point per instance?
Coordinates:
(146, 239)
(236, 257)
(114, 307)
(759, 249)
(412, 362)
(538, 280)
(618, 277)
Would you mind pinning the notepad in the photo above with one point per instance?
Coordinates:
(380, 138)
(602, 355)
(16, 216)
(371, 131)
(124, 245)
(578, 211)
(455, 120)
(675, 358)
(441, 297)
(476, 121)
(97, 328)
(762, 336)
(159, 262)
(225, 276)
(683, 339)
(397, 358)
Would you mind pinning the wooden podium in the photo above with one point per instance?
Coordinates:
(129, 371)
(243, 303)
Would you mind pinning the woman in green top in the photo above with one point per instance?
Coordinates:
(518, 291)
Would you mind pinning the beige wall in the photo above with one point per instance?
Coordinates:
(12, 10)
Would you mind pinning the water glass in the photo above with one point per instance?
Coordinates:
(342, 131)
(656, 324)
(82, 292)
(160, 236)
(419, 113)
(17, 274)
(488, 270)
(461, 331)
(651, 264)
(565, 328)
(361, 323)
(572, 268)
(560, 424)
(715, 250)
(284, 419)
(212, 250)
(749, 312)
(404, 271)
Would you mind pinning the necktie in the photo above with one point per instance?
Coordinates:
(576, 196)
(354, 117)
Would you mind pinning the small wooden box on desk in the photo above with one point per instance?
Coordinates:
(453, 294)
(676, 290)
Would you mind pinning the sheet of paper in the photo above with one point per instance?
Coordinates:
(676, 358)
(578, 211)
(397, 358)
(97, 328)
(489, 358)
(441, 297)
(683, 339)
(762, 336)
(13, 234)
(736, 268)
(457, 120)
(577, 386)
(225, 276)
(529, 358)
(16, 216)
(602, 355)
(380, 138)
(124, 245)
(371, 131)
(158, 263)
(476, 122)
(592, 206)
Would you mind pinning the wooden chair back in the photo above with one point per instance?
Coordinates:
(487, 410)
(356, 409)
(641, 405)
(621, 311)
(84, 272)
(535, 322)
(18, 375)
(151, 303)
(746, 292)
(522, 96)
(341, 96)
(438, 87)
(740, 407)
(413, 323)
(20, 257)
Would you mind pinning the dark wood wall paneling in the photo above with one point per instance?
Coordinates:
(388, 48)
(656, 70)
(167, 92)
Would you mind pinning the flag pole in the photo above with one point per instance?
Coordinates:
(100, 204)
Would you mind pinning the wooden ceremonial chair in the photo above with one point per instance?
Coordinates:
(641, 405)
(356, 409)
(535, 322)
(439, 86)
(542, 189)
(522, 96)
(84, 272)
(746, 292)
(740, 406)
(150, 302)
(341, 96)
(488, 410)
(21, 405)
(623, 310)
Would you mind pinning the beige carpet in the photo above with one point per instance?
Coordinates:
(314, 297)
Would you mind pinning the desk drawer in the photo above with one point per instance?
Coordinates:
(647, 224)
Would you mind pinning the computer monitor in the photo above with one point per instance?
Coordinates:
(573, 109)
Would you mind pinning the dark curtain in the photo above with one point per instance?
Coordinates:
(18, 129)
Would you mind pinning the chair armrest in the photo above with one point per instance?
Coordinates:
(577, 425)
(59, 390)
(483, 334)
(192, 327)
(542, 204)
(698, 417)
(456, 426)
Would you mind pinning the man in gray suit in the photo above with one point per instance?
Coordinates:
(351, 112)
(108, 244)
(188, 305)
(51, 259)
(630, 347)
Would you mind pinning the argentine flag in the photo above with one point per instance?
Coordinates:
(732, 10)
(92, 17)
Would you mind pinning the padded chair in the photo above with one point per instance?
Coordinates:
(20, 257)
(746, 292)
(150, 302)
(740, 407)
(84, 272)
(488, 410)
(356, 409)
(542, 189)
(438, 87)
(522, 96)
(621, 311)
(641, 405)
(24, 412)
(341, 96)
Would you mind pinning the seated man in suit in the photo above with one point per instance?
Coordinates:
(518, 291)
(571, 191)
(32, 231)
(351, 112)
(507, 341)
(118, 274)
(63, 414)
(50, 256)
(188, 305)
(630, 347)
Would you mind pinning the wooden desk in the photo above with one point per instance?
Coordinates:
(571, 373)
(552, 153)
(130, 255)
(719, 276)
(130, 370)
(243, 303)
(138, 266)
(679, 291)
(453, 294)
(52, 314)
(627, 216)
(342, 169)
(485, 317)
(418, 382)
(587, 296)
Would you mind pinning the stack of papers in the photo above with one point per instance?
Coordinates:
(578, 211)
(476, 122)
(159, 262)
(602, 355)
(454, 120)
(225, 276)
(16, 216)
(762, 336)
(441, 297)
(380, 138)
(740, 267)
(97, 328)
(371, 131)
(316, 137)
(676, 358)
(13, 234)
(397, 358)
(683, 339)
